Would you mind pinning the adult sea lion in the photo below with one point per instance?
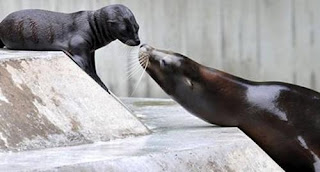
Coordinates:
(283, 119)
(78, 34)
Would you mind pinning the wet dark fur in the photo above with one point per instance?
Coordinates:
(283, 119)
(79, 33)
(1, 44)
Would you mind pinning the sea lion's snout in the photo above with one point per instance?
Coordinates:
(164, 60)
(172, 71)
(145, 48)
(144, 55)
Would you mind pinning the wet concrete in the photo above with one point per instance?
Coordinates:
(179, 142)
(163, 114)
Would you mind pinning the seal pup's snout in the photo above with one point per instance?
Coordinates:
(137, 42)
(133, 42)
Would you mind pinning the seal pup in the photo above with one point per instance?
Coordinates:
(78, 34)
(283, 119)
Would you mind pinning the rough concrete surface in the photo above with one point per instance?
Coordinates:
(46, 100)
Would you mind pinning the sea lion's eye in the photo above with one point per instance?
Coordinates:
(189, 83)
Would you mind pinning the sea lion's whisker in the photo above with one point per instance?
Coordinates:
(131, 75)
(143, 60)
(144, 63)
(139, 80)
(133, 62)
(132, 72)
(134, 58)
(133, 69)
(135, 65)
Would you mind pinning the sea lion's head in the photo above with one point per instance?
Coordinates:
(122, 24)
(176, 74)
(189, 83)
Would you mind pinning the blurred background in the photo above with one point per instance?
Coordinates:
(260, 40)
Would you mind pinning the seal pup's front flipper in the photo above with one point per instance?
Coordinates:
(1, 43)
(90, 72)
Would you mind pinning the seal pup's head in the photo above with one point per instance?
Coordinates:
(176, 74)
(122, 24)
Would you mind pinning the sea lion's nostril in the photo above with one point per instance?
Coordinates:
(163, 62)
(143, 45)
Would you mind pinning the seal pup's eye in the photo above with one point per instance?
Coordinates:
(111, 21)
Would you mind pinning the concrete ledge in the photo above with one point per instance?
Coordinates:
(179, 142)
(46, 100)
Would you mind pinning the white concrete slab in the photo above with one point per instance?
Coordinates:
(46, 100)
(202, 149)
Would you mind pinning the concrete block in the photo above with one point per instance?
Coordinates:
(46, 100)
